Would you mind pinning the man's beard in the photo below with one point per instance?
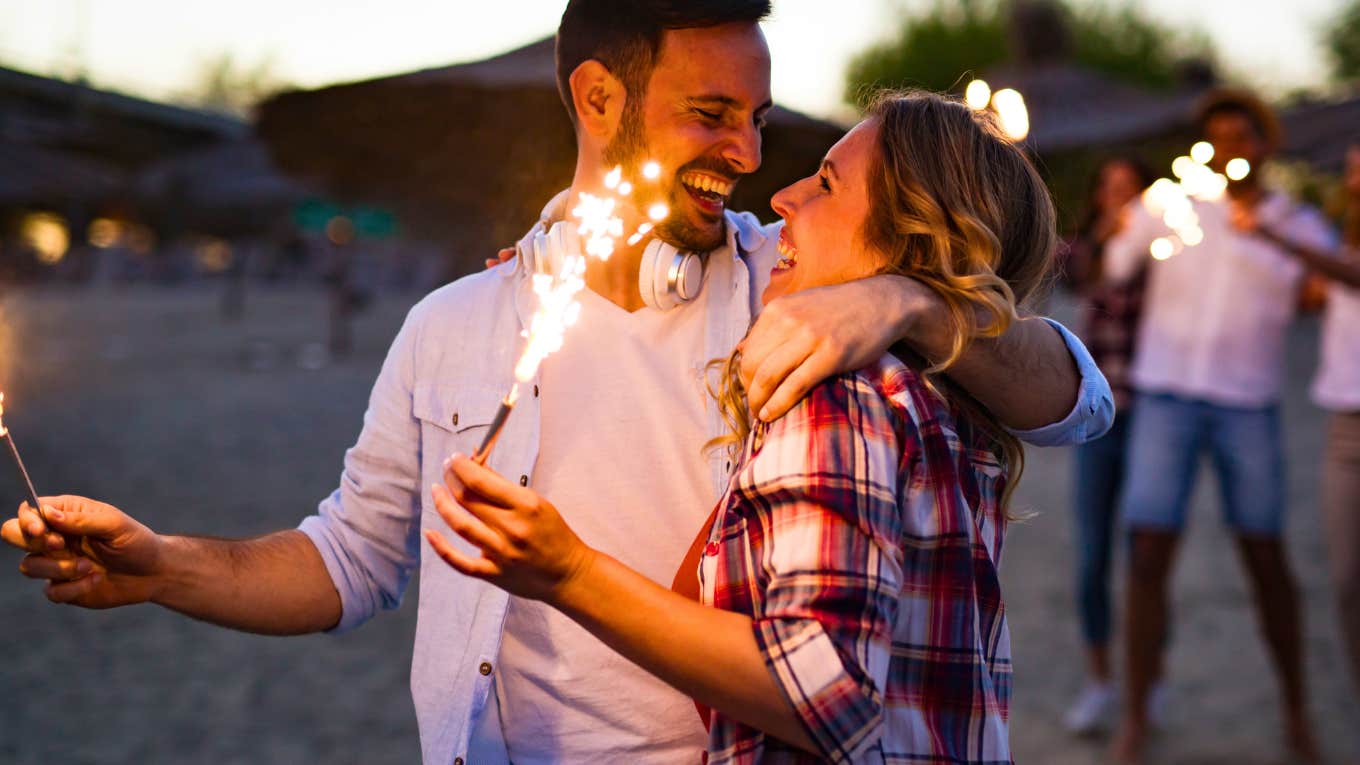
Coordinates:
(628, 148)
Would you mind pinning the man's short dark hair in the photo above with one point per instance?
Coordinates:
(625, 35)
(1242, 103)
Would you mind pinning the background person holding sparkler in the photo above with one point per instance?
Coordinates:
(1337, 389)
(1207, 368)
(616, 419)
(852, 562)
(1110, 319)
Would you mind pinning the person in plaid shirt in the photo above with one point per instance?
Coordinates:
(851, 606)
(1110, 317)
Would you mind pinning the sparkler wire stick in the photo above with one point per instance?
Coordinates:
(19, 463)
(497, 424)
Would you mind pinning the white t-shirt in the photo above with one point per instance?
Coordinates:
(623, 426)
(1214, 316)
(1337, 385)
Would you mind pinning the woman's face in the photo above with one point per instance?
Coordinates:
(824, 216)
(1119, 184)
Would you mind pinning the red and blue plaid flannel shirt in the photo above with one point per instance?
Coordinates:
(861, 532)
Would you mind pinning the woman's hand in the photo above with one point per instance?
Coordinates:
(527, 549)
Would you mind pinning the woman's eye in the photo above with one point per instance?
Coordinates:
(826, 186)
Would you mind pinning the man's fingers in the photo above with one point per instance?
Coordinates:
(479, 567)
(13, 534)
(490, 485)
(35, 529)
(62, 569)
(82, 517)
(773, 371)
(66, 592)
(467, 525)
(794, 387)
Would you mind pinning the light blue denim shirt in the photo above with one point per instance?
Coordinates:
(442, 381)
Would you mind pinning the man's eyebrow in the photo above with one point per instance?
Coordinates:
(717, 99)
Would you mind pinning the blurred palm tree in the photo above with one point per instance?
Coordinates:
(937, 48)
(1343, 44)
(223, 84)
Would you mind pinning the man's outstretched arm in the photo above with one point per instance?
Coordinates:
(274, 585)
(1032, 377)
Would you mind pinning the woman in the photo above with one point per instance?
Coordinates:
(853, 559)
(1110, 324)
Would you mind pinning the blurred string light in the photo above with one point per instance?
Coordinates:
(1007, 103)
(47, 235)
(1173, 201)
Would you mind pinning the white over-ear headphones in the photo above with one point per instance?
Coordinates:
(667, 277)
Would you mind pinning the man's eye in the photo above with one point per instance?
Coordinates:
(826, 186)
(710, 116)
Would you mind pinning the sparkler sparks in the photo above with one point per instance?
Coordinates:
(1009, 105)
(1174, 202)
(597, 228)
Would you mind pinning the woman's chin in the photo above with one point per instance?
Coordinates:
(781, 284)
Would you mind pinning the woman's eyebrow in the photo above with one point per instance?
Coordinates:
(830, 167)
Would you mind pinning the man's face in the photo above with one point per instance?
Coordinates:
(700, 118)
(1235, 135)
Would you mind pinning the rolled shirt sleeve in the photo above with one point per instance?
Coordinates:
(367, 530)
(832, 562)
(1093, 413)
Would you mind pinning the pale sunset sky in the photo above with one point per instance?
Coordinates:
(156, 48)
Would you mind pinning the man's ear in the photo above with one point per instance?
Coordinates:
(598, 98)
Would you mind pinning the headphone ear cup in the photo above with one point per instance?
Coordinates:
(647, 273)
(542, 260)
(689, 277)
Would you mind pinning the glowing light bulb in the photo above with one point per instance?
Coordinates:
(611, 180)
(651, 171)
(1191, 235)
(1182, 167)
(1162, 248)
(1237, 169)
(1202, 152)
(978, 94)
(658, 212)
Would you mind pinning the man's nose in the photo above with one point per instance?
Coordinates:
(743, 149)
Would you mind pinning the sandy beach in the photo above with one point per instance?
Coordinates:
(149, 400)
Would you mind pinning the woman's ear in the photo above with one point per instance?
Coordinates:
(598, 97)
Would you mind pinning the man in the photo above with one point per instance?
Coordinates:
(616, 419)
(1208, 371)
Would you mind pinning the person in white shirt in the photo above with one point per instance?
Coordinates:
(1337, 389)
(1208, 370)
(612, 427)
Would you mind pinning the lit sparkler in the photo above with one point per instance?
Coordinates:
(1173, 201)
(595, 233)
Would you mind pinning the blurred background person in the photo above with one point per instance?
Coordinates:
(1336, 388)
(1110, 314)
(1208, 371)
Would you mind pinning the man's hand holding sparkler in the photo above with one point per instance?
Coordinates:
(526, 547)
(118, 561)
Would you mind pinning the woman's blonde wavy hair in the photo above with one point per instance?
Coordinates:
(957, 206)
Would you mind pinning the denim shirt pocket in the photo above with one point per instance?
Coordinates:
(454, 418)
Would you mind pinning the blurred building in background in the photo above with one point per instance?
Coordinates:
(467, 155)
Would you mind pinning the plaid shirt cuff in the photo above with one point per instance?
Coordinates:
(842, 715)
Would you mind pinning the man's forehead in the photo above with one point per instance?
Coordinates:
(729, 60)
